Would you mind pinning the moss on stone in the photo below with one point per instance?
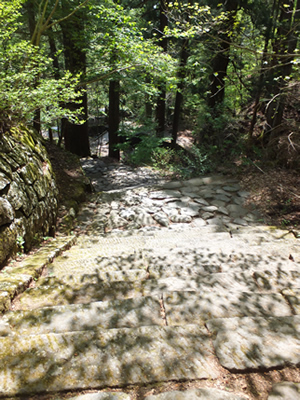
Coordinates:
(8, 237)
(28, 185)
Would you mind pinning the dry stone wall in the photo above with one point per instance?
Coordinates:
(28, 193)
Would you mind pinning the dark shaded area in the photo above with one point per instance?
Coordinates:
(72, 185)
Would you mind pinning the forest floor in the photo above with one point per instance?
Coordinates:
(276, 193)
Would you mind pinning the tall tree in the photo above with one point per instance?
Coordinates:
(284, 45)
(114, 118)
(32, 29)
(163, 42)
(26, 82)
(179, 93)
(221, 58)
(74, 43)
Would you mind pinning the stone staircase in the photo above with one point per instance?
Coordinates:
(135, 307)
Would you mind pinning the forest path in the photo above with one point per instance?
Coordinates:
(167, 284)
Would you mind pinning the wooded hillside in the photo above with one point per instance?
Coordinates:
(225, 70)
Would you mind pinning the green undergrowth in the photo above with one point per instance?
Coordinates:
(157, 153)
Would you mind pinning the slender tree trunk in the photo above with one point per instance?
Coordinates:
(179, 96)
(284, 46)
(75, 136)
(114, 118)
(53, 53)
(263, 73)
(148, 104)
(31, 25)
(221, 60)
(260, 85)
(50, 134)
(161, 111)
(218, 75)
(161, 101)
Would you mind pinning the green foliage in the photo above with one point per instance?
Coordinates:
(121, 41)
(121, 48)
(25, 80)
(181, 164)
(212, 124)
(163, 159)
(195, 163)
(142, 154)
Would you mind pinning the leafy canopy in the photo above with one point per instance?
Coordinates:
(26, 83)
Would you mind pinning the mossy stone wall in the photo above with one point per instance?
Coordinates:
(28, 193)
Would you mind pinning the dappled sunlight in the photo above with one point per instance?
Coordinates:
(143, 297)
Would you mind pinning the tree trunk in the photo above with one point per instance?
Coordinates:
(75, 136)
(161, 101)
(148, 104)
(161, 111)
(53, 53)
(284, 46)
(262, 78)
(221, 60)
(218, 75)
(31, 25)
(179, 96)
(114, 118)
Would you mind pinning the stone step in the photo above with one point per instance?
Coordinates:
(248, 277)
(244, 344)
(171, 308)
(135, 312)
(176, 260)
(62, 291)
(195, 278)
(196, 394)
(193, 307)
(101, 358)
(79, 272)
(81, 290)
(251, 241)
(65, 289)
(90, 256)
(191, 394)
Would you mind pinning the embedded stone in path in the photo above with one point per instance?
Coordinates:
(141, 311)
(293, 297)
(284, 277)
(103, 396)
(104, 358)
(285, 391)
(256, 343)
(164, 268)
(197, 307)
(195, 394)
